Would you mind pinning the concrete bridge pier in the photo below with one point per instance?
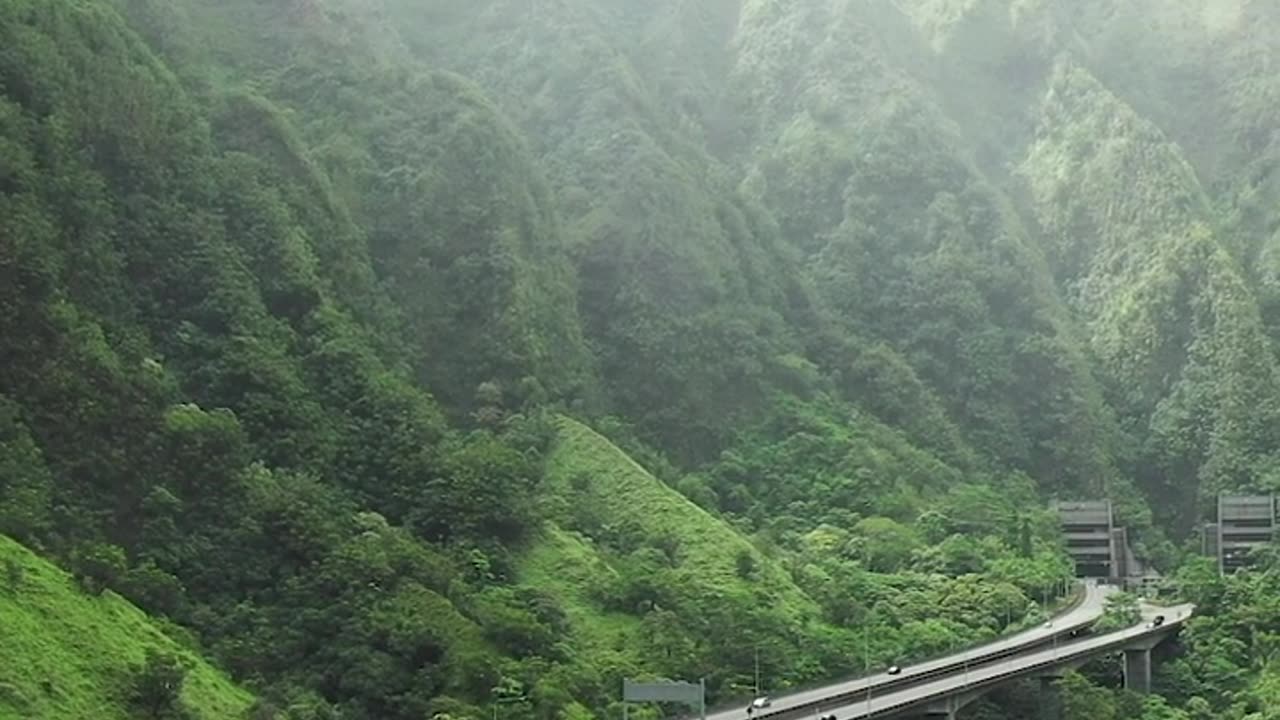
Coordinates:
(1137, 670)
(945, 709)
(940, 711)
(1050, 699)
(949, 708)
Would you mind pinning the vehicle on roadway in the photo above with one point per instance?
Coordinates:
(761, 702)
(903, 696)
(894, 670)
(812, 703)
(1157, 621)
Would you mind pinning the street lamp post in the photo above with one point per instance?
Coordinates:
(866, 629)
(866, 659)
(866, 652)
(757, 669)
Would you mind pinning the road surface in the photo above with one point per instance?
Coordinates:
(793, 705)
(1029, 663)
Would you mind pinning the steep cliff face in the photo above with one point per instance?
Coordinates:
(909, 241)
(1164, 301)
(1111, 175)
(977, 189)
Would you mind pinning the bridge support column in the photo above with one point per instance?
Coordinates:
(1050, 699)
(1137, 670)
(943, 709)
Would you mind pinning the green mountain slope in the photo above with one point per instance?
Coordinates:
(67, 654)
(910, 244)
(674, 265)
(430, 186)
(651, 583)
(602, 487)
(295, 298)
(898, 167)
(225, 311)
(1165, 302)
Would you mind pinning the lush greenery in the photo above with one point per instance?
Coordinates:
(1223, 668)
(421, 358)
(1122, 610)
(1227, 665)
(68, 654)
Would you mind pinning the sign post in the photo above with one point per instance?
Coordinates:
(691, 694)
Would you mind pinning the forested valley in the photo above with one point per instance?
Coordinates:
(456, 359)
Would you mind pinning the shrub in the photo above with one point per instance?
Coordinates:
(98, 566)
(13, 572)
(156, 687)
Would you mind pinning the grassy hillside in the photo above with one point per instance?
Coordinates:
(643, 572)
(612, 497)
(650, 582)
(65, 654)
(568, 565)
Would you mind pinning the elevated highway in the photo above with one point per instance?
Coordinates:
(805, 703)
(941, 687)
(945, 696)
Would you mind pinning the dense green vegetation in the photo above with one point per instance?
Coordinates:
(68, 653)
(421, 358)
(1226, 667)
(1223, 667)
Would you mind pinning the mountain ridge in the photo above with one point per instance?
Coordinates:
(298, 295)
